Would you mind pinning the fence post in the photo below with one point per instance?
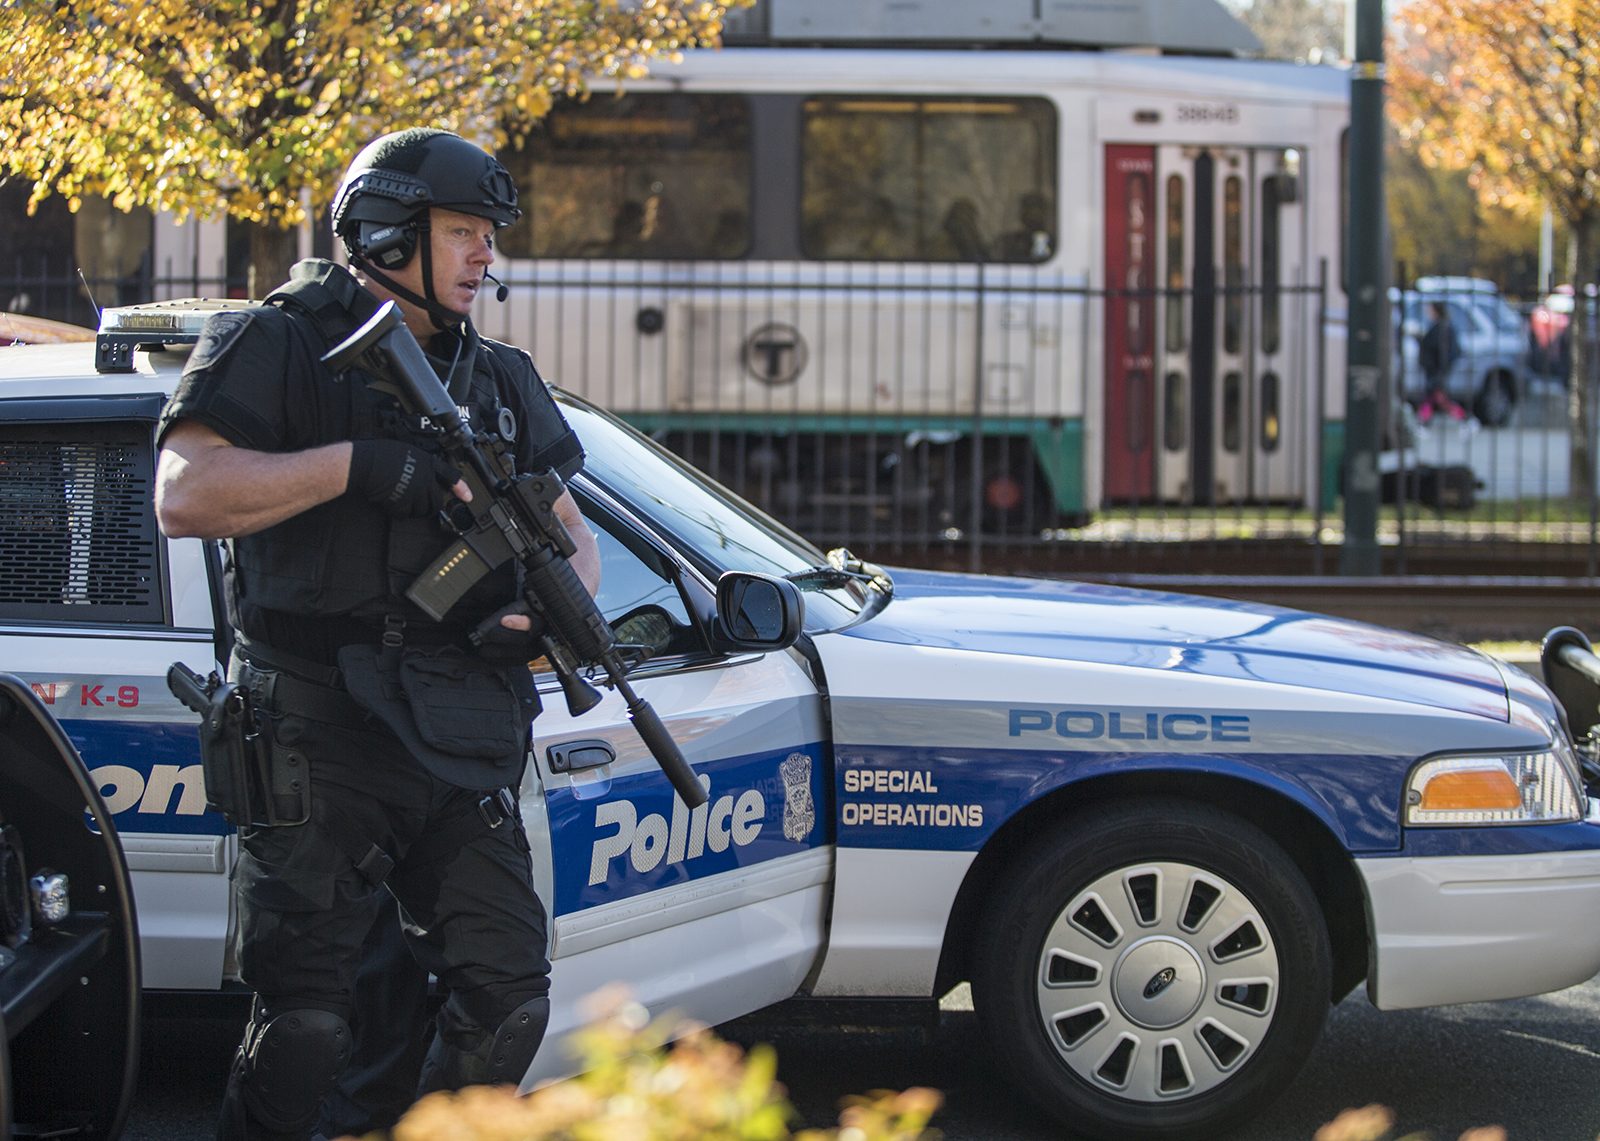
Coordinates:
(975, 532)
(1367, 294)
(1318, 439)
(1583, 326)
(1403, 473)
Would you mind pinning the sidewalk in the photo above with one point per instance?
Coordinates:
(1527, 459)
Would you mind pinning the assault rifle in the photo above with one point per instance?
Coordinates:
(511, 516)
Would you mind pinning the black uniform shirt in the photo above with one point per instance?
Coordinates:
(255, 379)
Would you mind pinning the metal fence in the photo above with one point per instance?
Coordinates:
(995, 418)
(1489, 466)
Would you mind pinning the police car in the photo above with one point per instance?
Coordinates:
(1158, 834)
(69, 945)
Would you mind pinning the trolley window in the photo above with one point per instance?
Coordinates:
(1271, 417)
(1232, 411)
(637, 176)
(1175, 414)
(1271, 253)
(1140, 255)
(1176, 281)
(886, 178)
(1233, 264)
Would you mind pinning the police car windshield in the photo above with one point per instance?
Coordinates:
(714, 528)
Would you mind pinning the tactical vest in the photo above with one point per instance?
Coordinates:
(347, 557)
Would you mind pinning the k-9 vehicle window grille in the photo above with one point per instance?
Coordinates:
(76, 524)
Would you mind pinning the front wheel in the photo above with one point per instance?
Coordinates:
(1159, 970)
(1496, 400)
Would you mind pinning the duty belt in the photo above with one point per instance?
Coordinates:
(283, 692)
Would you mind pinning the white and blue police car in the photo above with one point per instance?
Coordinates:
(1159, 835)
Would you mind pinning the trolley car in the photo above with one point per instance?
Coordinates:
(924, 289)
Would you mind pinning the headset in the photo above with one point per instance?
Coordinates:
(391, 246)
(386, 244)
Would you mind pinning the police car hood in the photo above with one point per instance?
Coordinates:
(1099, 625)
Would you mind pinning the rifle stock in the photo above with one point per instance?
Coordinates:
(512, 516)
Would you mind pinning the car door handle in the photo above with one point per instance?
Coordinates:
(570, 756)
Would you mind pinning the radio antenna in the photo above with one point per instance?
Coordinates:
(90, 291)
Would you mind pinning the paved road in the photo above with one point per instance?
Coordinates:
(1532, 1066)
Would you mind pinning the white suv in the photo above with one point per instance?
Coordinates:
(1490, 377)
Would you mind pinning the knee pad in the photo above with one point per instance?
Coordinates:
(500, 1058)
(289, 1064)
(517, 1040)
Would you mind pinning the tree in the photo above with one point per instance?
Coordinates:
(1509, 91)
(253, 108)
(1438, 226)
(1306, 30)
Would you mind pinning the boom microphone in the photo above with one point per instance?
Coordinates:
(501, 293)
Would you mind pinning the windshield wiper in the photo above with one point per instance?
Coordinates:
(843, 568)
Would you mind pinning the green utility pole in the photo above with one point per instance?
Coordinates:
(1365, 281)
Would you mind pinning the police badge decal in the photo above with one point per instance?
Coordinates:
(799, 813)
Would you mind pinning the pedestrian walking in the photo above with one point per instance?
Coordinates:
(1437, 353)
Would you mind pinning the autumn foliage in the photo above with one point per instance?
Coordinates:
(638, 1085)
(254, 107)
(1509, 91)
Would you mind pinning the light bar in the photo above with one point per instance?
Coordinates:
(127, 329)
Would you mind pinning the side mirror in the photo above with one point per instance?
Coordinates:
(757, 612)
(1572, 671)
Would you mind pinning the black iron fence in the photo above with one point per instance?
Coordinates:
(1005, 419)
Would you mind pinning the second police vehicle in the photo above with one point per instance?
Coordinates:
(1158, 834)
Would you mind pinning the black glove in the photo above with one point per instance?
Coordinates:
(502, 647)
(403, 479)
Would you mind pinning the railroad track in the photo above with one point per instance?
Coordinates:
(1455, 608)
(1478, 592)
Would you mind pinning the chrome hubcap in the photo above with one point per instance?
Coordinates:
(1157, 981)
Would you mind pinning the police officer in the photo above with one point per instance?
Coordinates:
(330, 496)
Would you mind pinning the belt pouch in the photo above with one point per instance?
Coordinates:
(462, 705)
(465, 720)
(286, 776)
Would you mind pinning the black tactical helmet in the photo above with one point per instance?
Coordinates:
(396, 178)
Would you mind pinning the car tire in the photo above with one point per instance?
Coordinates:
(1158, 969)
(1496, 400)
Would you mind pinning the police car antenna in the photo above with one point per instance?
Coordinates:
(90, 291)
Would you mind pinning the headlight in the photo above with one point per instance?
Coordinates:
(52, 897)
(1511, 788)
